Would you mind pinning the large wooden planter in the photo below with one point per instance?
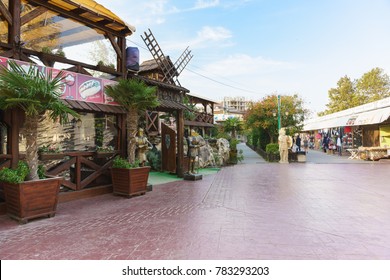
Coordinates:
(130, 182)
(32, 199)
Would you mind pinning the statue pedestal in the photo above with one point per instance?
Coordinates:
(193, 177)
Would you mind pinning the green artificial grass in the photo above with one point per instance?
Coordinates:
(156, 178)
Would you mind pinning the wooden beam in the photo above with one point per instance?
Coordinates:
(31, 15)
(6, 14)
(121, 62)
(9, 53)
(115, 45)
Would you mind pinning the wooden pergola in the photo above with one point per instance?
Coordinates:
(26, 26)
(53, 24)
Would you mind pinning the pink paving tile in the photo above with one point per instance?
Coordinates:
(247, 211)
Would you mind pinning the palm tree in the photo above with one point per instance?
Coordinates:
(136, 97)
(35, 93)
(233, 125)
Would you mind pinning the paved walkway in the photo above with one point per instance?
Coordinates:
(254, 210)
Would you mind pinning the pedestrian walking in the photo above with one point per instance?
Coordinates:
(325, 143)
(298, 143)
(305, 144)
(338, 144)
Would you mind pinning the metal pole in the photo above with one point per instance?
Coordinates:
(279, 122)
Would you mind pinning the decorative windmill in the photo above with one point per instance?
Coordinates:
(171, 71)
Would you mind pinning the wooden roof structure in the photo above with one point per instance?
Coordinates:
(32, 25)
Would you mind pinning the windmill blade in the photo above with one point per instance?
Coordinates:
(158, 55)
(182, 61)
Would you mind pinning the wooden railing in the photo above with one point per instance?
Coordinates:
(204, 117)
(83, 167)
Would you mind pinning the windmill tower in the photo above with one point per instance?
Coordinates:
(171, 71)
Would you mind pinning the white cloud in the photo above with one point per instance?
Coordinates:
(243, 64)
(202, 4)
(213, 33)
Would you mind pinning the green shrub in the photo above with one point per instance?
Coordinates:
(233, 143)
(272, 148)
(41, 171)
(15, 176)
(154, 159)
(119, 162)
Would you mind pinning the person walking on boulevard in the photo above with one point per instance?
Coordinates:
(298, 143)
(338, 144)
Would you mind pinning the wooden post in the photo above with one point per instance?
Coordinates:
(180, 143)
(122, 145)
(14, 36)
(121, 62)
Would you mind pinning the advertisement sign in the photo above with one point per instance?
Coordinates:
(108, 99)
(3, 61)
(89, 89)
(75, 86)
(69, 85)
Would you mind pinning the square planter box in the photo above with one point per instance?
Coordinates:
(130, 182)
(32, 199)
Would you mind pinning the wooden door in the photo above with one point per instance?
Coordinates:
(168, 148)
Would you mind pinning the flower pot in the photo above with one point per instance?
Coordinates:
(130, 182)
(32, 199)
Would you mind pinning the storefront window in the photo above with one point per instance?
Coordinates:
(51, 33)
(84, 134)
(3, 26)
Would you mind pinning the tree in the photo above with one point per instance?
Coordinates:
(262, 115)
(343, 97)
(233, 125)
(136, 97)
(372, 86)
(35, 93)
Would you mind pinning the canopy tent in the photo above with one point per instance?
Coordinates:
(370, 113)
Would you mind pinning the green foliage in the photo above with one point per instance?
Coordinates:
(49, 149)
(272, 148)
(36, 93)
(119, 162)
(133, 94)
(233, 125)
(262, 123)
(154, 158)
(136, 97)
(33, 91)
(372, 86)
(240, 156)
(190, 114)
(233, 143)
(15, 176)
(41, 171)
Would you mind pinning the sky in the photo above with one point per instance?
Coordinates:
(254, 48)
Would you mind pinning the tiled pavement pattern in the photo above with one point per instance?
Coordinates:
(248, 211)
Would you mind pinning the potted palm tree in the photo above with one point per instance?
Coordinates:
(36, 94)
(128, 178)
